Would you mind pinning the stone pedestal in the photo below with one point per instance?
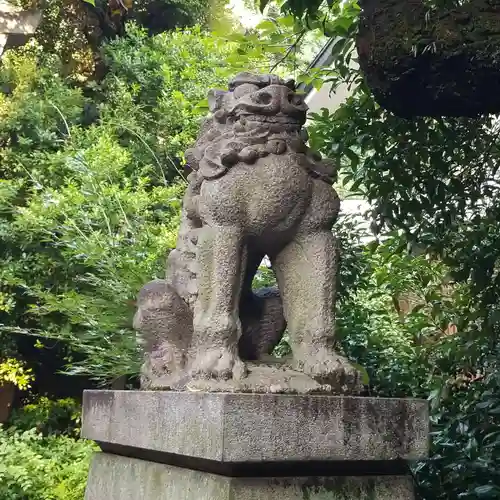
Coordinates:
(213, 446)
(17, 25)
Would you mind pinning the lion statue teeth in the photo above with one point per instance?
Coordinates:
(255, 189)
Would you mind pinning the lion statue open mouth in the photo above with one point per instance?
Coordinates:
(255, 190)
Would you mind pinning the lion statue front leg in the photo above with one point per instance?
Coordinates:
(306, 277)
(306, 270)
(217, 327)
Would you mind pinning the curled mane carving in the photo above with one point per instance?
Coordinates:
(256, 117)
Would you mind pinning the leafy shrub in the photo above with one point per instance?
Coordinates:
(48, 417)
(15, 372)
(33, 467)
(160, 80)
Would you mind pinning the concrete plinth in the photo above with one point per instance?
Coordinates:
(198, 446)
(115, 477)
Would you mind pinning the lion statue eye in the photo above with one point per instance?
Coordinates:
(264, 98)
(295, 99)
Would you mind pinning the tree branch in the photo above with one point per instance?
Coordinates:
(289, 50)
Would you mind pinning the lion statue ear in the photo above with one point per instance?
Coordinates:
(216, 99)
(291, 84)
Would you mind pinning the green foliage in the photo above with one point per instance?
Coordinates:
(82, 235)
(464, 459)
(391, 345)
(419, 353)
(48, 417)
(158, 16)
(15, 372)
(162, 79)
(74, 30)
(313, 9)
(264, 277)
(33, 467)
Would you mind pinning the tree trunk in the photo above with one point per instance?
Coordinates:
(426, 62)
(7, 393)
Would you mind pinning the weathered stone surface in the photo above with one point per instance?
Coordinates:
(231, 433)
(113, 477)
(255, 189)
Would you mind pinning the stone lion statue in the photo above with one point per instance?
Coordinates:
(255, 190)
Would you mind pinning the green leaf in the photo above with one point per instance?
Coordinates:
(365, 378)
(304, 78)
(353, 157)
(317, 83)
(202, 105)
(286, 21)
(266, 25)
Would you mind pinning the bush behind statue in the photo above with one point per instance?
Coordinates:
(34, 467)
(48, 417)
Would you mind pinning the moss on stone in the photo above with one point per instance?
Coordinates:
(435, 62)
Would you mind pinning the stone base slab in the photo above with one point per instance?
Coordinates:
(256, 434)
(114, 477)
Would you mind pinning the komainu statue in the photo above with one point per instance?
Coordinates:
(255, 190)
